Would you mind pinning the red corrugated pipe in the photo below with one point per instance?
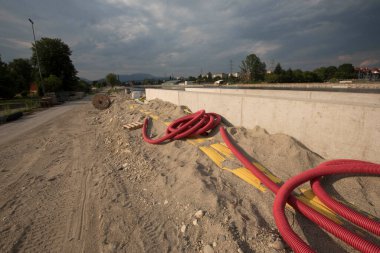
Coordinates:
(190, 125)
(283, 196)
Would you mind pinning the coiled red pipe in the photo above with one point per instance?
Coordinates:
(283, 195)
(190, 125)
(347, 213)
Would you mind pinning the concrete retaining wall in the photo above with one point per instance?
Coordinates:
(334, 125)
(341, 97)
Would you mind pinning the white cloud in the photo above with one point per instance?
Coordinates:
(126, 36)
(123, 27)
(344, 58)
(369, 62)
(15, 43)
(7, 17)
(260, 48)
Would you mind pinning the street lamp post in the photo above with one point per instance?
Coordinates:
(38, 60)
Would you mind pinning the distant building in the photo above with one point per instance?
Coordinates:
(235, 74)
(368, 73)
(220, 75)
(171, 82)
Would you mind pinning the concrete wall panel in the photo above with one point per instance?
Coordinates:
(328, 124)
(332, 97)
(190, 100)
(228, 106)
(166, 95)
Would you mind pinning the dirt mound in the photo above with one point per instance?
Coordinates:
(278, 152)
(189, 180)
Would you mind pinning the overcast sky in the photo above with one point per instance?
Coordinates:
(186, 37)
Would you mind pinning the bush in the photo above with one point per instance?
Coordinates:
(10, 117)
(24, 94)
(6, 92)
(14, 116)
(52, 83)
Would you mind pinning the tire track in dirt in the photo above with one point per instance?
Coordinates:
(25, 199)
(81, 212)
(83, 205)
(46, 186)
(21, 166)
(142, 228)
(48, 211)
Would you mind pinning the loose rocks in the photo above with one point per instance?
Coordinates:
(183, 228)
(277, 245)
(208, 249)
(199, 214)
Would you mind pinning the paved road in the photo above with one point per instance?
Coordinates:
(13, 129)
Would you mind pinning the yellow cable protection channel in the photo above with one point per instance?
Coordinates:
(218, 152)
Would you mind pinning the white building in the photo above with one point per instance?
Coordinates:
(235, 74)
(220, 75)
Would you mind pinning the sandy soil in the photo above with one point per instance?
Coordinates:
(82, 183)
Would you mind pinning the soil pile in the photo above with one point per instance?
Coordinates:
(187, 179)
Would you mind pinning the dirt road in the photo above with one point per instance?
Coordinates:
(26, 123)
(44, 182)
(63, 189)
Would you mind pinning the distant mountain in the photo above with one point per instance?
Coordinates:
(85, 80)
(136, 77)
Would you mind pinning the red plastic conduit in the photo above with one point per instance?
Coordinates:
(194, 124)
(347, 213)
(283, 195)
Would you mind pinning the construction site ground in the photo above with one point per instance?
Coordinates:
(80, 182)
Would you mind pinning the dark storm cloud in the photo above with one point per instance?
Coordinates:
(183, 37)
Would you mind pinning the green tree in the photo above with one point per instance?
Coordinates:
(310, 77)
(55, 60)
(345, 71)
(7, 85)
(191, 78)
(330, 72)
(111, 79)
(326, 73)
(271, 78)
(321, 73)
(252, 68)
(52, 83)
(278, 69)
(209, 77)
(83, 86)
(145, 82)
(21, 71)
(298, 76)
(287, 76)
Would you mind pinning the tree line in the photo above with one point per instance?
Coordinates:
(57, 71)
(254, 70)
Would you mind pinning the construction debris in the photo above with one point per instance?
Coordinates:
(133, 126)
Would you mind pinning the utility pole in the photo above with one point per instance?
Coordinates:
(38, 59)
(231, 67)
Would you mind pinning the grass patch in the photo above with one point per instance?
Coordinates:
(10, 107)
